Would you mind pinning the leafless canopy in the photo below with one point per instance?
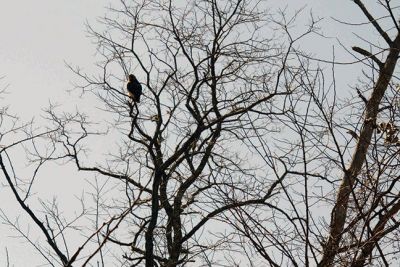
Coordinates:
(241, 152)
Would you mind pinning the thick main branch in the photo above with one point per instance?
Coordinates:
(339, 212)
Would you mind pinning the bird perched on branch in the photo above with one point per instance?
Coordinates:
(134, 88)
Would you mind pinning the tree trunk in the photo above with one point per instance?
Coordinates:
(339, 212)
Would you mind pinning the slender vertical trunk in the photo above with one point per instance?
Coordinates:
(177, 242)
(149, 253)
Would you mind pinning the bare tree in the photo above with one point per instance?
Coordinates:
(211, 71)
(239, 153)
(370, 170)
(345, 159)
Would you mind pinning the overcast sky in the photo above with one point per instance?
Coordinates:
(36, 37)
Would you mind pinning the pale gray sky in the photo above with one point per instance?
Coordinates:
(36, 37)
